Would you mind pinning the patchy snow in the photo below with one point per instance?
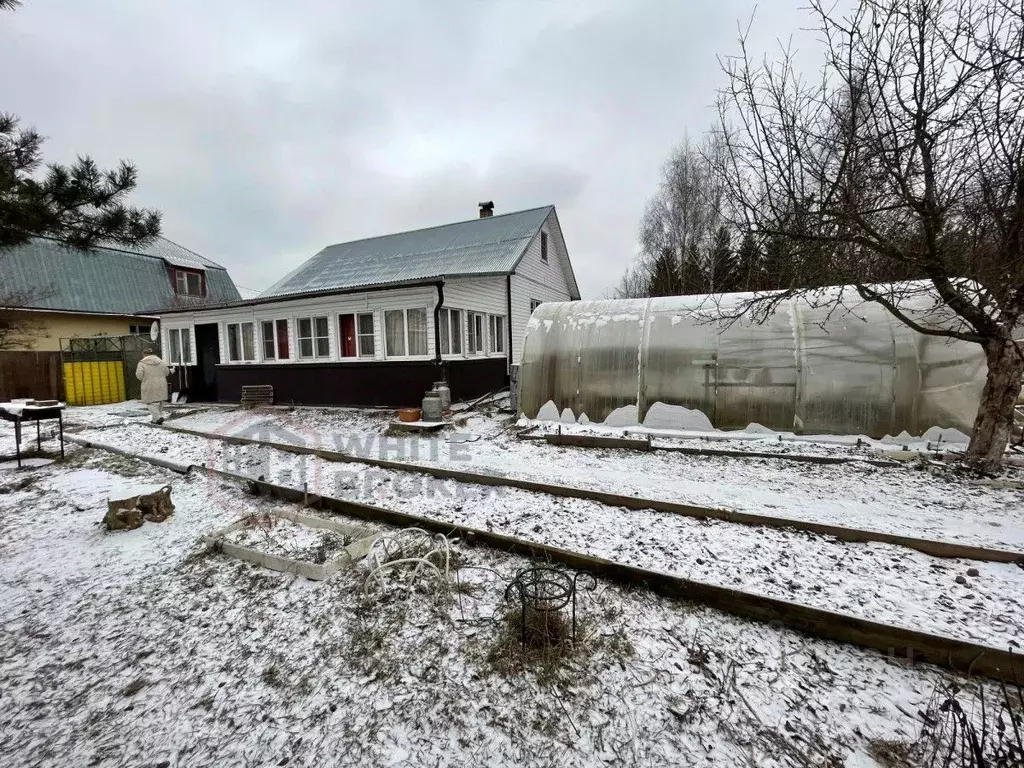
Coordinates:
(879, 582)
(133, 648)
(30, 461)
(281, 537)
(911, 500)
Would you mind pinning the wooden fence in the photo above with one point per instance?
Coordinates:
(31, 374)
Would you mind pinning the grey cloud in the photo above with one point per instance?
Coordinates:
(265, 131)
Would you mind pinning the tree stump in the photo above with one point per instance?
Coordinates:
(130, 513)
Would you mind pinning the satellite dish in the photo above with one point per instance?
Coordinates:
(154, 330)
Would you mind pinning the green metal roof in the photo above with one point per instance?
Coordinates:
(107, 280)
(487, 246)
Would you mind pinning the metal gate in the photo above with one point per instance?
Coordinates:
(101, 369)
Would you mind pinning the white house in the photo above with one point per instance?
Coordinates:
(376, 321)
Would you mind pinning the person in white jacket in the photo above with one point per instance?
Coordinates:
(153, 373)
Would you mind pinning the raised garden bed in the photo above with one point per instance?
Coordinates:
(294, 543)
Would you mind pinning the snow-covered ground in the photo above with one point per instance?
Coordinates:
(915, 500)
(880, 582)
(135, 648)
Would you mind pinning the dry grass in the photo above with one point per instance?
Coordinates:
(973, 728)
(892, 753)
(547, 648)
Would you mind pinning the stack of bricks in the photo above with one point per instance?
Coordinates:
(257, 395)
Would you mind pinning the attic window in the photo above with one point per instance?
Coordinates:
(189, 283)
(544, 247)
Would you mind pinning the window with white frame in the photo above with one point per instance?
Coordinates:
(314, 338)
(451, 331)
(241, 343)
(534, 303)
(274, 335)
(475, 326)
(188, 283)
(365, 335)
(355, 333)
(405, 332)
(497, 327)
(179, 347)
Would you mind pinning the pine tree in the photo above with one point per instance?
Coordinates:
(79, 205)
(748, 263)
(722, 272)
(664, 278)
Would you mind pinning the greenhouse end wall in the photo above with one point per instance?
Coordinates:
(810, 369)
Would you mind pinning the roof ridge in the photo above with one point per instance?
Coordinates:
(438, 226)
(123, 249)
(61, 243)
(197, 255)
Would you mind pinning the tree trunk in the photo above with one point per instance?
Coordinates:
(994, 421)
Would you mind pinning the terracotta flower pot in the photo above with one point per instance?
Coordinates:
(408, 414)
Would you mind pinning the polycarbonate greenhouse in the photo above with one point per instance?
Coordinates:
(810, 369)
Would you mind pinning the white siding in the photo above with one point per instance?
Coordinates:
(329, 306)
(533, 279)
(537, 279)
(484, 295)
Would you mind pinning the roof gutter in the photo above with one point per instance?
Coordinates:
(416, 283)
(53, 311)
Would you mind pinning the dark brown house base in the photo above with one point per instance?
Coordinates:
(363, 384)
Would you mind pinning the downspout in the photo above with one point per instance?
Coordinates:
(508, 323)
(437, 327)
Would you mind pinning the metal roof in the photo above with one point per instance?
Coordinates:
(104, 279)
(486, 246)
(174, 254)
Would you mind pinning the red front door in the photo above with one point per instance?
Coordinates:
(348, 336)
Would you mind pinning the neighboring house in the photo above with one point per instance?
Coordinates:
(50, 294)
(376, 321)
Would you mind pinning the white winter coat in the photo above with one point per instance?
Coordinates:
(153, 373)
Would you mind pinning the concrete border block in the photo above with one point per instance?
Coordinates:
(354, 551)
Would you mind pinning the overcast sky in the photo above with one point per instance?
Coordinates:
(265, 131)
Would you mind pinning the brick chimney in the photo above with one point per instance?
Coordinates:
(486, 209)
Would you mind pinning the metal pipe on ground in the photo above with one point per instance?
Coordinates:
(899, 644)
(853, 535)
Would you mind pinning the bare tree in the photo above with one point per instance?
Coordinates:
(680, 225)
(18, 328)
(905, 158)
(632, 285)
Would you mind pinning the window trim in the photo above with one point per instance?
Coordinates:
(446, 321)
(497, 338)
(477, 334)
(188, 360)
(181, 278)
(312, 337)
(276, 338)
(240, 324)
(405, 320)
(360, 354)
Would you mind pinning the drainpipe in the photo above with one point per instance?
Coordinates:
(437, 328)
(508, 323)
